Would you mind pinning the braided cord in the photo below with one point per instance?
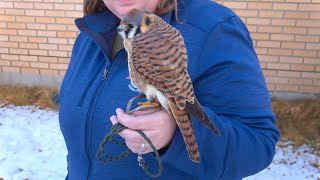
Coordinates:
(118, 127)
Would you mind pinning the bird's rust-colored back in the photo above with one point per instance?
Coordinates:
(159, 59)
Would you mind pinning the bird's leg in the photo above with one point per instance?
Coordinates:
(147, 106)
(153, 103)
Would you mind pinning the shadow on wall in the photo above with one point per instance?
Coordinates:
(29, 79)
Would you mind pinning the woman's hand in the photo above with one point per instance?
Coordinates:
(158, 125)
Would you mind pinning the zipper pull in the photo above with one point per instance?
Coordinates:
(105, 73)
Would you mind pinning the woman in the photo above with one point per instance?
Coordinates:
(227, 79)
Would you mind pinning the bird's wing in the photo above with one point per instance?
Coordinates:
(162, 62)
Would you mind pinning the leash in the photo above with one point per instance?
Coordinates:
(118, 127)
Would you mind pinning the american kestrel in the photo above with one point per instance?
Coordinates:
(157, 60)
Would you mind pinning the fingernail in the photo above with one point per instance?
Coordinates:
(119, 111)
(113, 119)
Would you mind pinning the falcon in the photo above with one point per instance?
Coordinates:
(157, 61)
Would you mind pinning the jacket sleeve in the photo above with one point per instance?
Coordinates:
(231, 88)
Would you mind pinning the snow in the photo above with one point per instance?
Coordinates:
(31, 144)
(32, 147)
(289, 164)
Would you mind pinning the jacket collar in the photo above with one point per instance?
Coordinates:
(102, 22)
(101, 27)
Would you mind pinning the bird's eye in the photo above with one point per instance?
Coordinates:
(130, 26)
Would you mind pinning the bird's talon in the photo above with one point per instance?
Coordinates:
(148, 103)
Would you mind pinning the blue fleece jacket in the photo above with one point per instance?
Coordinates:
(227, 79)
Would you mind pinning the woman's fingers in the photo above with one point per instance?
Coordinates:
(114, 119)
(142, 110)
(158, 126)
(136, 147)
(143, 122)
(132, 122)
(132, 138)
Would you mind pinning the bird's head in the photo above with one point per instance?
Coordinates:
(136, 21)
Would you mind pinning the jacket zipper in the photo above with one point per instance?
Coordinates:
(88, 134)
(105, 73)
(88, 87)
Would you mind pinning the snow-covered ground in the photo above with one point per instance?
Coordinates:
(31, 146)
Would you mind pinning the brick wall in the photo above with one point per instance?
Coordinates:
(36, 36)
(286, 34)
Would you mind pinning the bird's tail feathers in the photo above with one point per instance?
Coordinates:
(185, 125)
